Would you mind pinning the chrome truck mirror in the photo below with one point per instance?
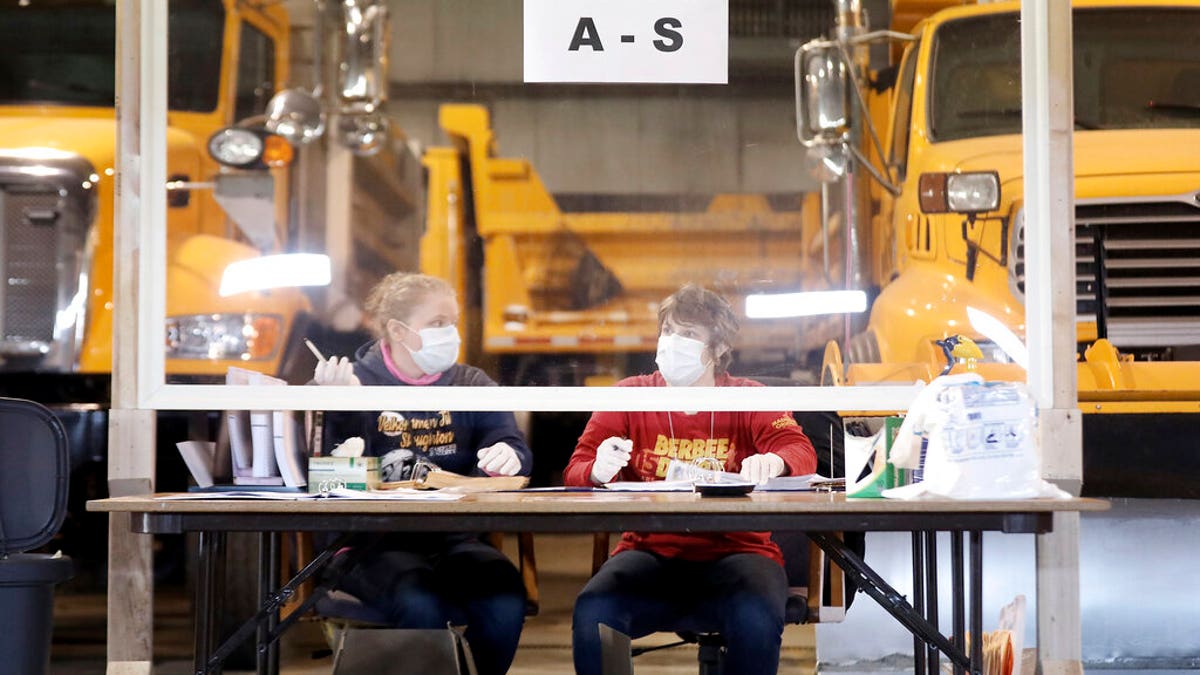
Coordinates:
(296, 115)
(361, 82)
(822, 95)
(364, 133)
(362, 74)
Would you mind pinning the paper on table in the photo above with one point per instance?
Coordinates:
(262, 434)
(786, 483)
(690, 472)
(396, 494)
(246, 494)
(290, 448)
(238, 424)
(198, 455)
(651, 486)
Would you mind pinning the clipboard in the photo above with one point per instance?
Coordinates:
(429, 476)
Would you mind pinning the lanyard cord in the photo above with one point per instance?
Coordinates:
(712, 416)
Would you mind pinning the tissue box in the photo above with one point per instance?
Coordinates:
(355, 473)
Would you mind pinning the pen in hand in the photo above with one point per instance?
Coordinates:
(333, 371)
(313, 348)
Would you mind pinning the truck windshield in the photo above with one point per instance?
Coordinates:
(1131, 72)
(62, 52)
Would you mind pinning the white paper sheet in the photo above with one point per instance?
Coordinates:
(290, 450)
(399, 494)
(790, 483)
(198, 455)
(239, 494)
(651, 486)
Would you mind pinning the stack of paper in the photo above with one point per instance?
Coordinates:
(266, 447)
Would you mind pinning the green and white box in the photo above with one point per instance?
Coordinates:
(354, 473)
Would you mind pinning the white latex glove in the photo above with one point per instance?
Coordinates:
(335, 371)
(499, 460)
(611, 456)
(762, 468)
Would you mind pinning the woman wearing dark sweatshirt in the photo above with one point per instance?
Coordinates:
(427, 580)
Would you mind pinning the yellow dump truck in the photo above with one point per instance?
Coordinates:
(57, 162)
(570, 296)
(935, 118)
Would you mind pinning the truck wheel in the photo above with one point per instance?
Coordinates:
(864, 348)
(832, 367)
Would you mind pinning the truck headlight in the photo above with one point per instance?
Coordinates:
(236, 147)
(245, 148)
(973, 192)
(224, 337)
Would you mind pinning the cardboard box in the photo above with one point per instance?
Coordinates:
(355, 473)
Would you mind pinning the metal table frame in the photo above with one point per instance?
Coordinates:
(718, 514)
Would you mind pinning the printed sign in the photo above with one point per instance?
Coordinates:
(663, 41)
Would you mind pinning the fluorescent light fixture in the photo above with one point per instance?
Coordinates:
(38, 154)
(992, 328)
(813, 303)
(276, 271)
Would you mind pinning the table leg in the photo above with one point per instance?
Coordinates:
(977, 603)
(918, 599)
(933, 657)
(956, 582)
(267, 651)
(276, 599)
(893, 603)
(273, 619)
(201, 609)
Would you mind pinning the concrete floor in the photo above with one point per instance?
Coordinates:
(563, 566)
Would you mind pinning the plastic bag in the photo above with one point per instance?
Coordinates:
(971, 440)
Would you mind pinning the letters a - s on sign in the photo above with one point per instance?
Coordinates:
(666, 41)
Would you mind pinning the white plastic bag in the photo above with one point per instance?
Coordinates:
(979, 440)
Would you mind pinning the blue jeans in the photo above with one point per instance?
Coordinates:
(742, 596)
(469, 583)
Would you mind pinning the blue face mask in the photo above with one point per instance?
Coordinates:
(439, 348)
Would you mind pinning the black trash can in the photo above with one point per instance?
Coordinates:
(27, 583)
(33, 502)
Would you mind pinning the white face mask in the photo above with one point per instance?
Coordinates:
(680, 360)
(439, 348)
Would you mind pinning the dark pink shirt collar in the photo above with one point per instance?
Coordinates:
(391, 366)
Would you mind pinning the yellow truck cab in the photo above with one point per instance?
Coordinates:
(947, 235)
(57, 156)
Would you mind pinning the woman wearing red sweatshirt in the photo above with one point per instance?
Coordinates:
(731, 581)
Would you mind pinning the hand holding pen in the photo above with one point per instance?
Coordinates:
(612, 455)
(332, 371)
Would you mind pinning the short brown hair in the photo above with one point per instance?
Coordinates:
(698, 306)
(395, 296)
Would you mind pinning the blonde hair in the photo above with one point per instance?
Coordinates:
(397, 294)
(697, 306)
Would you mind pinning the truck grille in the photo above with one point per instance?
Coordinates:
(777, 19)
(29, 245)
(47, 201)
(1137, 270)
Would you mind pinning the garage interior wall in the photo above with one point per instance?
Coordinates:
(626, 139)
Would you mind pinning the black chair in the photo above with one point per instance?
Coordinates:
(34, 469)
(341, 609)
(349, 625)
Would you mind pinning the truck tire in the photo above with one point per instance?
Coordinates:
(863, 348)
